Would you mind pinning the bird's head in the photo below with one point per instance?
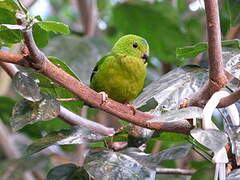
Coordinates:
(132, 45)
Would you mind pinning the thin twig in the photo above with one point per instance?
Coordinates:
(68, 99)
(186, 172)
(74, 119)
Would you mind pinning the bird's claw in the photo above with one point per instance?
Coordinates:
(133, 108)
(104, 97)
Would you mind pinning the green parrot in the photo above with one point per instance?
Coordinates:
(122, 72)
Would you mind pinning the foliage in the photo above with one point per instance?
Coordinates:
(167, 27)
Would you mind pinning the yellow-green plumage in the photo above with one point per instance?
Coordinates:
(122, 72)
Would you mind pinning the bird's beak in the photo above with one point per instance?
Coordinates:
(145, 57)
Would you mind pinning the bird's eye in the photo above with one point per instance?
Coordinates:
(135, 45)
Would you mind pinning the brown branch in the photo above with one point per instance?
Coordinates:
(233, 32)
(11, 57)
(232, 98)
(68, 116)
(217, 77)
(93, 98)
(186, 172)
(89, 16)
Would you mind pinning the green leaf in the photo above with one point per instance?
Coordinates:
(172, 137)
(40, 36)
(193, 51)
(63, 66)
(74, 135)
(26, 86)
(56, 90)
(8, 36)
(206, 173)
(53, 26)
(6, 106)
(229, 14)
(27, 112)
(9, 5)
(114, 165)
(67, 172)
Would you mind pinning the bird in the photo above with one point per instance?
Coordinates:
(120, 74)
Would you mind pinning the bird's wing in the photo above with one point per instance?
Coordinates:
(98, 64)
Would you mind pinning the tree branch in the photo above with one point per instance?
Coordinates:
(186, 172)
(89, 15)
(68, 116)
(39, 61)
(217, 77)
(95, 99)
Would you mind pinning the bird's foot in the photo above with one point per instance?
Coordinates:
(104, 97)
(133, 108)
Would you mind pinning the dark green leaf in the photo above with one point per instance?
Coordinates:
(8, 36)
(40, 36)
(74, 135)
(67, 172)
(206, 173)
(27, 86)
(229, 14)
(9, 5)
(27, 112)
(6, 106)
(153, 161)
(193, 51)
(53, 26)
(56, 90)
(211, 138)
(172, 137)
(116, 166)
(63, 66)
(170, 89)
(14, 169)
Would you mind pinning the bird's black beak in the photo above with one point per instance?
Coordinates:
(145, 57)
